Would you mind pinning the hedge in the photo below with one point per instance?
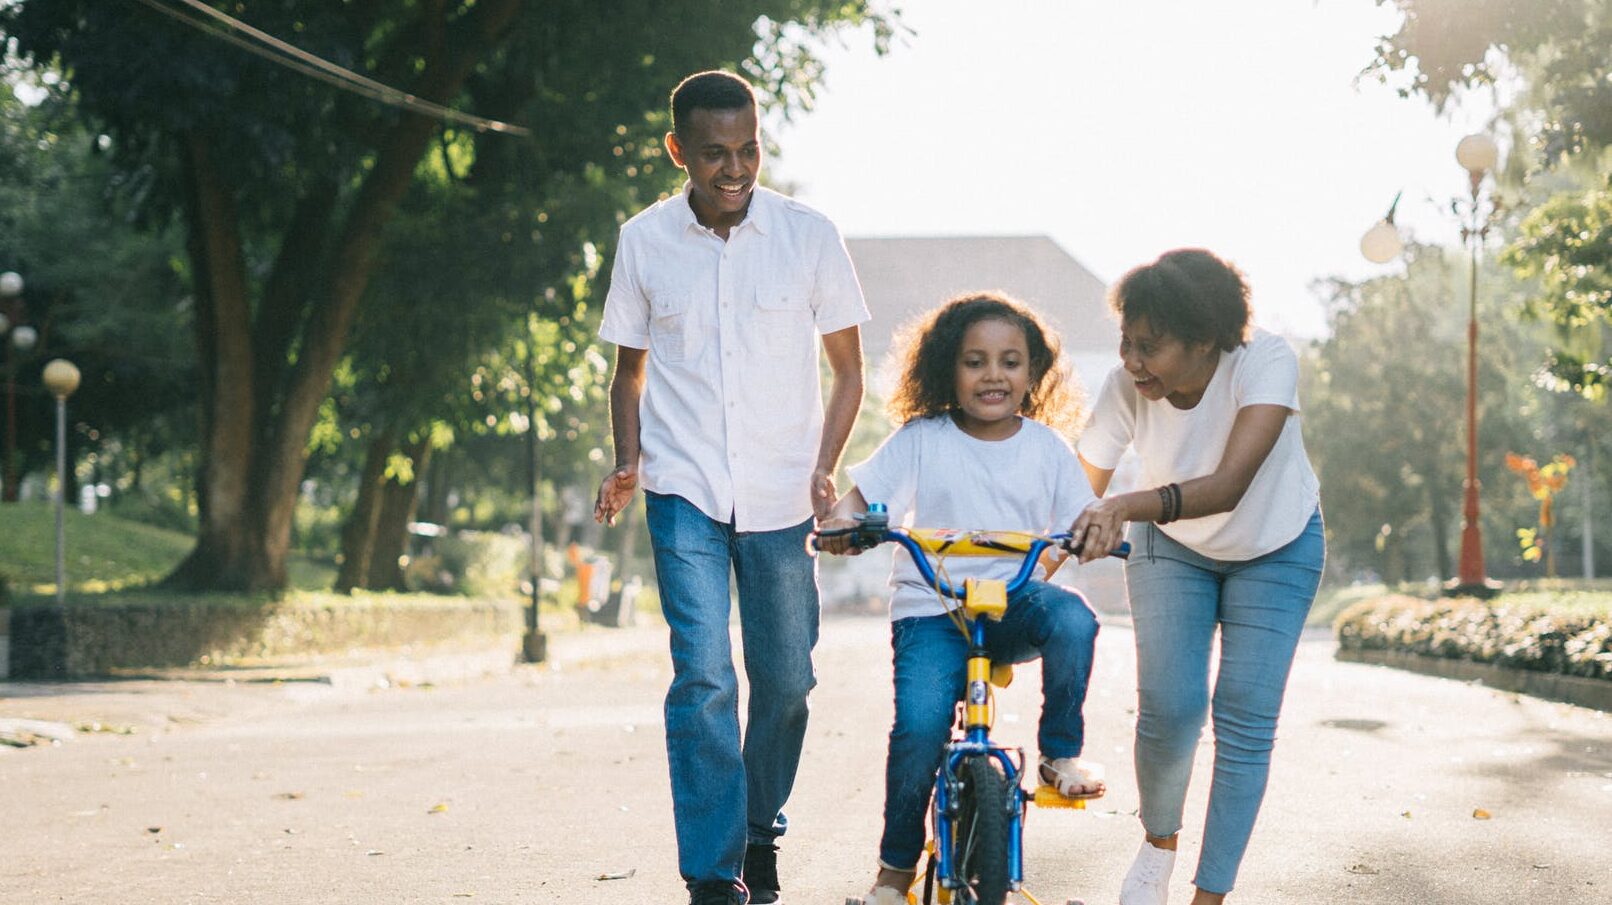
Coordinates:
(1507, 635)
(90, 639)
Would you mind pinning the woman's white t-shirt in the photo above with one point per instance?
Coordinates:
(930, 474)
(1177, 445)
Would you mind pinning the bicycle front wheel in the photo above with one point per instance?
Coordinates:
(981, 841)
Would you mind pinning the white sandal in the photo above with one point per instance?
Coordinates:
(1069, 775)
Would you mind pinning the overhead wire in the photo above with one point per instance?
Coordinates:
(301, 61)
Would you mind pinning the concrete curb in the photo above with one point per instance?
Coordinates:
(1595, 694)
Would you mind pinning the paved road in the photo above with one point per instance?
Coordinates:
(529, 787)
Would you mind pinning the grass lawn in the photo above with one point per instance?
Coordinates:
(105, 552)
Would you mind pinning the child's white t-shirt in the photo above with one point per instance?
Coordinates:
(1177, 445)
(930, 474)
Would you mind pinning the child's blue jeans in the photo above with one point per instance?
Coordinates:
(1179, 602)
(931, 662)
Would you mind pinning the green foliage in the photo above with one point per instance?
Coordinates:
(1565, 246)
(1559, 47)
(473, 563)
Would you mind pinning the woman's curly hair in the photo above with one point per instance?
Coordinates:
(928, 382)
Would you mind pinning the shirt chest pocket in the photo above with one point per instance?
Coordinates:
(668, 324)
(783, 314)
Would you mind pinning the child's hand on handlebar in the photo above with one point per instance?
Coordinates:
(829, 541)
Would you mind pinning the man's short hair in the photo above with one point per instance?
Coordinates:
(711, 90)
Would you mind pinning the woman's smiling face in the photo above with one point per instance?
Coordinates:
(1165, 367)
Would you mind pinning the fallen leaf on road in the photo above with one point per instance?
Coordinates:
(289, 796)
(624, 876)
(1365, 869)
(1481, 814)
(153, 829)
(1405, 814)
(353, 793)
(438, 808)
(374, 851)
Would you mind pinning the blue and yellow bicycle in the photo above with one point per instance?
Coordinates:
(976, 851)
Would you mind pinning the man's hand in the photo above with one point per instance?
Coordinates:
(823, 495)
(615, 492)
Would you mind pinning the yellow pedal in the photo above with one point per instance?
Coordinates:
(1049, 797)
(985, 597)
(1002, 675)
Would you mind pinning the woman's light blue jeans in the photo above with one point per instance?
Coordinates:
(1179, 600)
(725, 795)
(931, 670)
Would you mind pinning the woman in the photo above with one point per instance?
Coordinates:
(1226, 536)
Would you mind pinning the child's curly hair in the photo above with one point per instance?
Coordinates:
(928, 381)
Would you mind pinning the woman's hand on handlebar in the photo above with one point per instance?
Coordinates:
(1100, 529)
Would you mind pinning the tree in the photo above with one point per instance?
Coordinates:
(1562, 119)
(1385, 414)
(286, 187)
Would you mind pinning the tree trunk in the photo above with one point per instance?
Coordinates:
(226, 543)
(254, 452)
(398, 502)
(358, 534)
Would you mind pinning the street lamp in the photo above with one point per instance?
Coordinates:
(1478, 154)
(61, 379)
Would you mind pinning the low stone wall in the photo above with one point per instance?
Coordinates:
(49, 641)
(1592, 693)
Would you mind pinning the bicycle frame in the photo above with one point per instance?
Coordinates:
(980, 599)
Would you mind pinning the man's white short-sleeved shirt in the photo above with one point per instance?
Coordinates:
(930, 474)
(1176, 445)
(732, 411)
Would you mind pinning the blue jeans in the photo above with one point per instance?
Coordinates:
(1179, 600)
(931, 664)
(724, 795)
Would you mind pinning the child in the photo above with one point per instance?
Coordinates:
(980, 387)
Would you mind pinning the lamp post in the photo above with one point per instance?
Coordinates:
(21, 339)
(61, 379)
(1478, 155)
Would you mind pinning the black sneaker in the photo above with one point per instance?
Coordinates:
(761, 873)
(715, 894)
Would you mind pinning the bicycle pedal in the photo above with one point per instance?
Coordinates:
(1047, 796)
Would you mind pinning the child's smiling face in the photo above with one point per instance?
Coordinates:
(993, 375)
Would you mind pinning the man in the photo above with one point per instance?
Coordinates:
(716, 303)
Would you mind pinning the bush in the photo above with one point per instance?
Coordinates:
(473, 563)
(1514, 635)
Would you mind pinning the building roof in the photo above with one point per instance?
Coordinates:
(902, 277)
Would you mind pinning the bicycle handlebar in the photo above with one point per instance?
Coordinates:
(874, 530)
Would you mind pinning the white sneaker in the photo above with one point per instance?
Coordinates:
(1148, 880)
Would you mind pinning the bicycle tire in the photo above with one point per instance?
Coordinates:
(981, 840)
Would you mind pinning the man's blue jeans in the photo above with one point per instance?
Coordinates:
(724, 796)
(931, 670)
(1179, 600)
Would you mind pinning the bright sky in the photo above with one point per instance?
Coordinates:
(1123, 129)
